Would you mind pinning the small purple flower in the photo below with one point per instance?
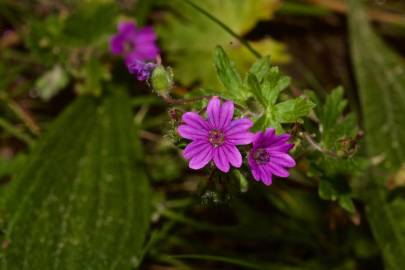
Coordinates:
(141, 70)
(269, 156)
(215, 138)
(137, 45)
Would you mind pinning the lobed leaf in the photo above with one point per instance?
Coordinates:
(189, 37)
(228, 75)
(292, 110)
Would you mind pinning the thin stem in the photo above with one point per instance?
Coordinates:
(225, 27)
(184, 100)
(16, 132)
(315, 145)
(144, 134)
(25, 117)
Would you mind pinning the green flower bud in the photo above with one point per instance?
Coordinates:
(161, 80)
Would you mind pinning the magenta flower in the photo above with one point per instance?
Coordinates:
(141, 70)
(269, 156)
(215, 138)
(136, 45)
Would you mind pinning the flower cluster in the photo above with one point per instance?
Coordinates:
(215, 139)
(138, 47)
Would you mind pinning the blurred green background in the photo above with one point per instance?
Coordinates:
(90, 177)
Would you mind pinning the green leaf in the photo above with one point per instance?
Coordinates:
(347, 203)
(243, 263)
(9, 167)
(92, 75)
(189, 39)
(327, 191)
(82, 199)
(336, 126)
(255, 88)
(335, 189)
(292, 110)
(228, 75)
(261, 68)
(89, 23)
(333, 108)
(87, 28)
(380, 74)
(274, 83)
(266, 83)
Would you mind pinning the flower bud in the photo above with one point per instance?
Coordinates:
(161, 79)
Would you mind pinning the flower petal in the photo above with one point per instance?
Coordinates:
(226, 114)
(236, 126)
(201, 159)
(195, 120)
(266, 176)
(264, 139)
(145, 35)
(281, 148)
(277, 170)
(146, 52)
(192, 133)
(282, 159)
(127, 27)
(269, 134)
(278, 140)
(213, 111)
(233, 154)
(256, 174)
(221, 160)
(241, 138)
(194, 148)
(117, 44)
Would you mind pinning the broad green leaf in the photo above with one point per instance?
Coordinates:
(380, 74)
(82, 199)
(189, 40)
(9, 167)
(240, 262)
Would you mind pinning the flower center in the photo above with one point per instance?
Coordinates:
(216, 137)
(128, 47)
(261, 156)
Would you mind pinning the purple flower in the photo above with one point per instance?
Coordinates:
(137, 45)
(141, 70)
(215, 138)
(269, 156)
